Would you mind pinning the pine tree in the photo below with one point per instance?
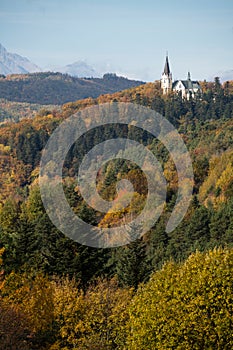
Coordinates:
(198, 232)
(131, 267)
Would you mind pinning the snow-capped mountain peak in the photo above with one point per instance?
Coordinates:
(78, 69)
(12, 63)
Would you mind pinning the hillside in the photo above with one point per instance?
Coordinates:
(57, 89)
(64, 294)
(15, 111)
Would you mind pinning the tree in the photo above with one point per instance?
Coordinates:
(185, 306)
(106, 315)
(94, 320)
(15, 332)
(129, 263)
(198, 233)
(31, 297)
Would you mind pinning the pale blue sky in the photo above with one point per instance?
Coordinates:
(125, 36)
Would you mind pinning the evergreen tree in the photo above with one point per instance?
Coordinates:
(198, 232)
(158, 242)
(131, 267)
(219, 225)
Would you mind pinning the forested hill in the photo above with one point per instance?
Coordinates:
(166, 290)
(206, 125)
(57, 89)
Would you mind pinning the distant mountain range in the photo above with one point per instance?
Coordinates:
(79, 69)
(12, 63)
(24, 81)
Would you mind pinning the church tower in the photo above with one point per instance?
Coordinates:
(166, 80)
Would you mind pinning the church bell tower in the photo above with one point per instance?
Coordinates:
(166, 80)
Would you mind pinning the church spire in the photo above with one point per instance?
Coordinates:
(166, 67)
(166, 80)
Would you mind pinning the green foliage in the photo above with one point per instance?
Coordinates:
(30, 239)
(130, 262)
(66, 295)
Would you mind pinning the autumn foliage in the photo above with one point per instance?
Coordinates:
(164, 290)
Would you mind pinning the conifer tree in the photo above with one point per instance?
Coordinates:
(131, 267)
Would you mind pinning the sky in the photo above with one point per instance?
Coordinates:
(129, 37)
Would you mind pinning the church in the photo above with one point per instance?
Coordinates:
(187, 88)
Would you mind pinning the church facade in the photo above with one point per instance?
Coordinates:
(187, 88)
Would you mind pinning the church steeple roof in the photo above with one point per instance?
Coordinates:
(166, 67)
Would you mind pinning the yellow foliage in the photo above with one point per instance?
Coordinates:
(2, 250)
(4, 149)
(226, 178)
(218, 186)
(185, 306)
(1, 254)
(94, 320)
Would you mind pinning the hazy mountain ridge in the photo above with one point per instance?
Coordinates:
(13, 63)
(79, 69)
(57, 88)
